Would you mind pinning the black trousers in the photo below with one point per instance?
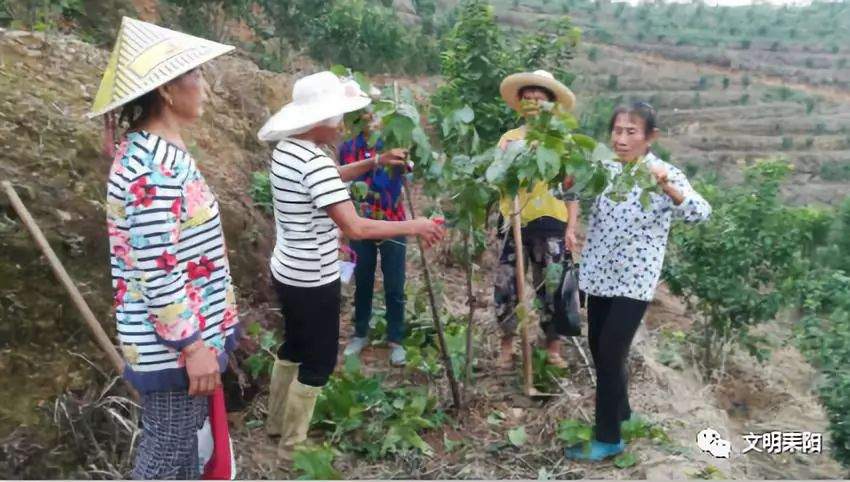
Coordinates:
(310, 329)
(612, 326)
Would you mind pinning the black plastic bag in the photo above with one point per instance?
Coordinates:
(566, 300)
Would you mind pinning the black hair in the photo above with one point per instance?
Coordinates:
(639, 109)
(549, 94)
(139, 110)
(142, 108)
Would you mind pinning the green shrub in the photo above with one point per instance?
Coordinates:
(755, 251)
(835, 171)
(261, 190)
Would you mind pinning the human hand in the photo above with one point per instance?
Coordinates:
(202, 368)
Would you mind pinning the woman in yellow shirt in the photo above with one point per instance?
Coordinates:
(548, 224)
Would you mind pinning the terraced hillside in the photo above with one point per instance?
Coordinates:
(728, 91)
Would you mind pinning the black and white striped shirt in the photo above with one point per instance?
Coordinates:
(305, 181)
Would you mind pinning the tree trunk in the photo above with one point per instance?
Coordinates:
(470, 299)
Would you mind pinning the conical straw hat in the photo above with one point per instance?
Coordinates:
(146, 56)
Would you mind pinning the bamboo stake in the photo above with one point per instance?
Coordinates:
(438, 325)
(99, 334)
(522, 311)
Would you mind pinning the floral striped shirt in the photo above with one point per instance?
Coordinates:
(169, 264)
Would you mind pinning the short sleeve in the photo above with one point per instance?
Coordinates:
(322, 181)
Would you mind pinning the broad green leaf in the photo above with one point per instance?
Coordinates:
(340, 70)
(363, 82)
(572, 432)
(517, 436)
(315, 463)
(645, 200)
(359, 190)
(548, 162)
(495, 418)
(625, 460)
(451, 445)
(351, 365)
(585, 142)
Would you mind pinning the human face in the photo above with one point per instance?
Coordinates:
(326, 134)
(629, 139)
(185, 96)
(535, 95)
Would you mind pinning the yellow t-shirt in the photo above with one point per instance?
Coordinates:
(539, 201)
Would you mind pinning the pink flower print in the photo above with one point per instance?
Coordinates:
(144, 194)
(166, 261)
(196, 196)
(175, 207)
(120, 291)
(117, 159)
(202, 269)
(166, 171)
(195, 298)
(122, 252)
(229, 318)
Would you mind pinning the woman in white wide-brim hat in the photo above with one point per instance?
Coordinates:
(310, 203)
(174, 300)
(548, 223)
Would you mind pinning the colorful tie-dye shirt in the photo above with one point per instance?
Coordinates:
(383, 199)
(170, 272)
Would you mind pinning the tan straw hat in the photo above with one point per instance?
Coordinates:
(146, 56)
(539, 78)
(315, 98)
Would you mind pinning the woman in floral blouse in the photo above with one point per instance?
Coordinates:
(621, 265)
(173, 293)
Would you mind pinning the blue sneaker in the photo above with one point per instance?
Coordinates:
(596, 451)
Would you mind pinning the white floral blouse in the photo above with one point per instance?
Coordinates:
(626, 244)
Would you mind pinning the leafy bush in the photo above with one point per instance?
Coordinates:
(754, 251)
(261, 190)
(545, 375)
(823, 334)
(362, 417)
(835, 171)
(369, 37)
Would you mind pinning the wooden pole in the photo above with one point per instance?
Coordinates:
(522, 308)
(469, 246)
(438, 325)
(100, 335)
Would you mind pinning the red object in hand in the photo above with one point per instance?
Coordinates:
(219, 467)
(439, 220)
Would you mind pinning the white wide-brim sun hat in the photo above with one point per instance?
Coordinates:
(315, 99)
(539, 78)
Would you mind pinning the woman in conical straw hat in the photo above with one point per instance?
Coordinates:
(548, 224)
(311, 205)
(174, 299)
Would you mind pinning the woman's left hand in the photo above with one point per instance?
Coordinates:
(660, 173)
(393, 157)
